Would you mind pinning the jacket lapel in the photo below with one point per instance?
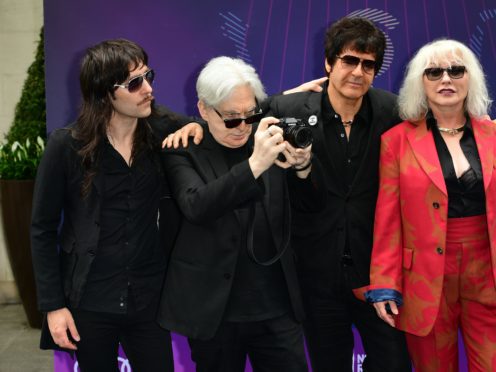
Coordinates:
(422, 142)
(313, 107)
(485, 145)
(275, 186)
(98, 183)
(98, 180)
(376, 129)
(216, 164)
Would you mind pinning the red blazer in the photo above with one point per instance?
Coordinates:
(411, 219)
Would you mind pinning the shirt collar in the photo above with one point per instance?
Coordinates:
(432, 122)
(364, 114)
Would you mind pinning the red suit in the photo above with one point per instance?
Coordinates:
(410, 252)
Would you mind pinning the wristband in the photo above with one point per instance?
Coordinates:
(303, 168)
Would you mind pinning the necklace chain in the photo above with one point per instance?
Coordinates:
(452, 131)
(347, 123)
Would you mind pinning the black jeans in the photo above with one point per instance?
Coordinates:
(331, 311)
(147, 345)
(272, 345)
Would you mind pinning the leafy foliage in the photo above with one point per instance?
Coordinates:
(20, 161)
(21, 153)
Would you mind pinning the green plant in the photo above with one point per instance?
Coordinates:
(20, 161)
(21, 152)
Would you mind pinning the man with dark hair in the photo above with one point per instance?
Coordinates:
(98, 259)
(334, 247)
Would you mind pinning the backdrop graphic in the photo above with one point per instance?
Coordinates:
(283, 39)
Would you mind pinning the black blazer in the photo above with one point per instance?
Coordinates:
(65, 228)
(319, 238)
(203, 260)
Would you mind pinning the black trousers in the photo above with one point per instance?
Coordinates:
(147, 345)
(274, 345)
(331, 311)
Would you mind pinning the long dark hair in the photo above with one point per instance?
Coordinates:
(104, 65)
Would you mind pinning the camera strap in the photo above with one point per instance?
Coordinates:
(249, 243)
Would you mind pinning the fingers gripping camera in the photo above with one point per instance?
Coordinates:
(296, 132)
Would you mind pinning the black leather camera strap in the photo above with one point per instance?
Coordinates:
(249, 243)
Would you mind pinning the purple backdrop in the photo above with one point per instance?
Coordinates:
(282, 39)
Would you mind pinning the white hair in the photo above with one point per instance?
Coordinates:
(412, 100)
(221, 75)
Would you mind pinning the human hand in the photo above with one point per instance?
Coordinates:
(269, 143)
(180, 136)
(313, 85)
(61, 325)
(297, 158)
(382, 311)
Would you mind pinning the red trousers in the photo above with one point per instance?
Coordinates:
(468, 303)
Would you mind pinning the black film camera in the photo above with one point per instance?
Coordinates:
(296, 132)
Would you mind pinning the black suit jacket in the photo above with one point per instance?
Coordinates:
(202, 264)
(65, 228)
(319, 238)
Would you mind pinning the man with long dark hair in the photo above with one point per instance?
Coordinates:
(98, 258)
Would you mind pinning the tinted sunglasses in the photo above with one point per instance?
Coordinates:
(136, 82)
(436, 73)
(368, 65)
(235, 122)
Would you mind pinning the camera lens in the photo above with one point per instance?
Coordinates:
(299, 137)
(296, 132)
(303, 137)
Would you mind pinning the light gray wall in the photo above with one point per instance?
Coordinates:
(20, 23)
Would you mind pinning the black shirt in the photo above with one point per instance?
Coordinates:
(346, 154)
(258, 292)
(128, 269)
(466, 195)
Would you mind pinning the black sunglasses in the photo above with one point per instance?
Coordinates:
(136, 82)
(234, 122)
(368, 65)
(436, 73)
